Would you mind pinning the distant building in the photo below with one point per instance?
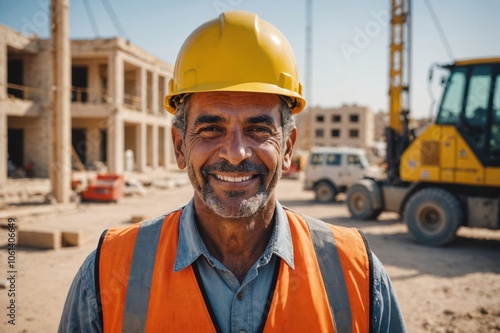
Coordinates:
(351, 126)
(117, 104)
(382, 121)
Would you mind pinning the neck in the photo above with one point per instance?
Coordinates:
(236, 243)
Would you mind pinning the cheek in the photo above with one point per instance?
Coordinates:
(198, 154)
(272, 156)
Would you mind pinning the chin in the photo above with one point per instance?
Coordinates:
(233, 208)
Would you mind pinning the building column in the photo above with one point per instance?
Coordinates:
(155, 144)
(3, 71)
(141, 145)
(115, 80)
(60, 175)
(3, 114)
(3, 147)
(165, 148)
(116, 144)
(143, 86)
(155, 102)
(94, 83)
(115, 124)
(161, 144)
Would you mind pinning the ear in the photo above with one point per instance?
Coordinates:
(180, 154)
(287, 158)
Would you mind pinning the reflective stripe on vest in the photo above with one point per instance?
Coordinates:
(143, 260)
(141, 275)
(331, 271)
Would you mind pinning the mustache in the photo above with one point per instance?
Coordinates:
(225, 166)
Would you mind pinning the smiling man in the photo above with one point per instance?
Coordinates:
(233, 259)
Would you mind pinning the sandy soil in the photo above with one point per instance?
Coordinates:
(451, 289)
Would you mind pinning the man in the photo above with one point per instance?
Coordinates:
(233, 259)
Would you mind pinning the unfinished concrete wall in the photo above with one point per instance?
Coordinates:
(96, 70)
(37, 73)
(36, 142)
(130, 133)
(93, 128)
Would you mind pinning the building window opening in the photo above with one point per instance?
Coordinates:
(336, 118)
(79, 83)
(15, 78)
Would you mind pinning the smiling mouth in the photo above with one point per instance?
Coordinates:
(233, 179)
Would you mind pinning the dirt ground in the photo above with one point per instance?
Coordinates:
(450, 289)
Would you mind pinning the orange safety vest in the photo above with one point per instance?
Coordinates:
(301, 301)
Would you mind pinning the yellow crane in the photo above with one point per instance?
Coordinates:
(448, 176)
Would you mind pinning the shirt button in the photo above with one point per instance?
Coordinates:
(240, 296)
(210, 262)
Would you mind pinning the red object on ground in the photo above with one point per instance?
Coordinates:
(105, 188)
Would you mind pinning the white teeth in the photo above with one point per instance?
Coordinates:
(233, 179)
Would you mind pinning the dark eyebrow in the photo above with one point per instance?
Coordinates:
(208, 119)
(262, 119)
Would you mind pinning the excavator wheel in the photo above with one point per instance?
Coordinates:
(433, 216)
(359, 203)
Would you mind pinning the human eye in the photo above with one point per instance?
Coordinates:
(260, 132)
(209, 131)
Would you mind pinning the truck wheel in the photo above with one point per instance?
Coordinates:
(325, 192)
(360, 203)
(433, 216)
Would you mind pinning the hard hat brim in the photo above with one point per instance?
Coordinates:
(256, 87)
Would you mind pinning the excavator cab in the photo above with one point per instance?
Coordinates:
(471, 103)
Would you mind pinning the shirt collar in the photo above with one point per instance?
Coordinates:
(191, 246)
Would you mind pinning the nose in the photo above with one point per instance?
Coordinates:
(234, 148)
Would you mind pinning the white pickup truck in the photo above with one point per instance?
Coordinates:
(331, 170)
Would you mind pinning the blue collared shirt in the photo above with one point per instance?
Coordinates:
(238, 307)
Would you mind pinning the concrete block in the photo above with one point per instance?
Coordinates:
(43, 239)
(138, 218)
(72, 238)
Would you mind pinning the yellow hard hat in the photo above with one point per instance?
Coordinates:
(236, 52)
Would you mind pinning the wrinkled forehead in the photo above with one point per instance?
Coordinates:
(235, 104)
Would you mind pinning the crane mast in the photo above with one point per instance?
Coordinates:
(397, 133)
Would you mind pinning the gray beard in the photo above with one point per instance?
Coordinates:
(247, 207)
(242, 208)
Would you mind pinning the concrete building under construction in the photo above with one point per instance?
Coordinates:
(348, 125)
(117, 92)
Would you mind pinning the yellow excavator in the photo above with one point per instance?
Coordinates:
(449, 175)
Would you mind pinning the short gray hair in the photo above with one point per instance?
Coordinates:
(180, 118)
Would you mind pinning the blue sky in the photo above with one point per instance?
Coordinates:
(350, 38)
